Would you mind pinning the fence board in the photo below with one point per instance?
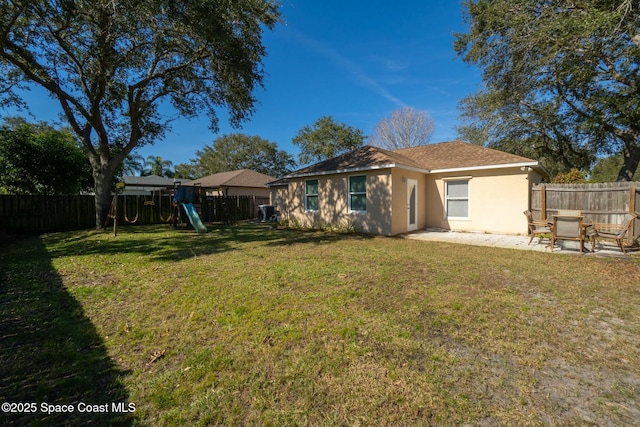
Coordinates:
(36, 214)
(603, 202)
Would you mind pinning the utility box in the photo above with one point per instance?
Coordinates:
(266, 212)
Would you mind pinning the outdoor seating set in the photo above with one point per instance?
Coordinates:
(572, 225)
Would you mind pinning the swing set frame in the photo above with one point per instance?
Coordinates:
(162, 191)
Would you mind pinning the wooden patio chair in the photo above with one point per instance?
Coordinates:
(616, 232)
(569, 212)
(567, 228)
(536, 228)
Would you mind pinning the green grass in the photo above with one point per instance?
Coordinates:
(251, 325)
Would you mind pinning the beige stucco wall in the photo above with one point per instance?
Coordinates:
(400, 211)
(279, 198)
(333, 202)
(497, 200)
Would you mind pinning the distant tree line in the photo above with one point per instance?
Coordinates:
(37, 158)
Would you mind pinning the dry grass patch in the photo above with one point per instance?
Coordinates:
(255, 326)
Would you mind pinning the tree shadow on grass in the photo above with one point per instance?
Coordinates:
(157, 243)
(50, 352)
(161, 243)
(316, 237)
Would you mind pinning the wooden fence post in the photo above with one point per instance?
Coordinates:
(632, 208)
(543, 201)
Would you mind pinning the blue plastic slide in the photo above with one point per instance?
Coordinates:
(194, 218)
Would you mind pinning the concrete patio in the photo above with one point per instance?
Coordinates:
(520, 242)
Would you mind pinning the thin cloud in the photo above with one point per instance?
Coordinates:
(346, 64)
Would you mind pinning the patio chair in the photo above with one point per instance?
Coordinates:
(569, 212)
(615, 232)
(567, 228)
(536, 228)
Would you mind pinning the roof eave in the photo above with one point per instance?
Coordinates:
(542, 170)
(532, 164)
(356, 169)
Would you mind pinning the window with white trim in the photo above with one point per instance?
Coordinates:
(311, 195)
(457, 199)
(358, 193)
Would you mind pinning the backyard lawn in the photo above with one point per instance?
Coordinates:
(251, 325)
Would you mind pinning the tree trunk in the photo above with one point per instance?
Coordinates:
(103, 180)
(631, 162)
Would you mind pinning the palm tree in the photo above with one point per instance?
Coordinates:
(133, 164)
(157, 166)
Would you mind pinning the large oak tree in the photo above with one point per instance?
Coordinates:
(111, 64)
(562, 79)
(240, 151)
(326, 139)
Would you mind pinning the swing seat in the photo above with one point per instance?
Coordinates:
(124, 208)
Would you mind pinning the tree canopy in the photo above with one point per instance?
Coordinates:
(240, 151)
(407, 127)
(561, 80)
(186, 171)
(606, 169)
(326, 139)
(39, 159)
(111, 64)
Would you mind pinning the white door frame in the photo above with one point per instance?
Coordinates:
(412, 226)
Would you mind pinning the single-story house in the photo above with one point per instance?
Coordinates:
(149, 184)
(243, 182)
(450, 185)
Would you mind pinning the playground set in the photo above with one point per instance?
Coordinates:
(178, 200)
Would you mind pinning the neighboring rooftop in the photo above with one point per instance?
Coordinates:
(239, 178)
(150, 181)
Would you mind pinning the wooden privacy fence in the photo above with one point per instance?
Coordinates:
(42, 214)
(22, 214)
(605, 203)
(212, 209)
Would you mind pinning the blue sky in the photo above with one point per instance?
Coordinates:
(356, 61)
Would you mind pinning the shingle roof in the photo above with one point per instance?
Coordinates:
(156, 180)
(444, 155)
(359, 158)
(278, 182)
(458, 154)
(239, 178)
